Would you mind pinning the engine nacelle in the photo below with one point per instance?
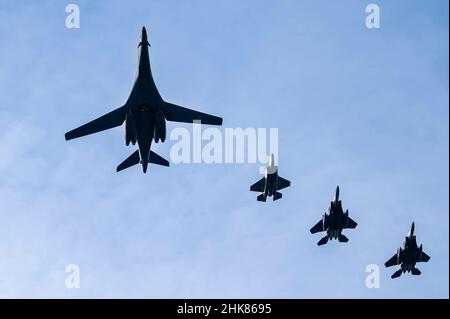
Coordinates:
(130, 129)
(160, 127)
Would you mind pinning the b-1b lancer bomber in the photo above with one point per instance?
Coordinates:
(271, 183)
(407, 256)
(145, 114)
(334, 222)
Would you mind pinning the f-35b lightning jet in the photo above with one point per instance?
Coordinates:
(271, 183)
(407, 256)
(145, 114)
(334, 222)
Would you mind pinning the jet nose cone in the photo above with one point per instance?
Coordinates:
(272, 160)
(144, 34)
(336, 194)
(411, 230)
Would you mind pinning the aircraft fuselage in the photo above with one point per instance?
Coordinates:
(143, 106)
(409, 254)
(270, 186)
(335, 220)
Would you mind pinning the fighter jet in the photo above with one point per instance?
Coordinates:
(407, 256)
(271, 183)
(334, 222)
(145, 114)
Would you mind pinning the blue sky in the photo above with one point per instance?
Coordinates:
(365, 109)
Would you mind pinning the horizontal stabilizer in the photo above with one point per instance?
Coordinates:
(342, 238)
(416, 272)
(261, 197)
(156, 159)
(277, 196)
(396, 274)
(323, 241)
(133, 159)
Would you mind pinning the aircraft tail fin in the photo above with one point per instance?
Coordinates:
(261, 197)
(132, 160)
(416, 272)
(156, 159)
(396, 274)
(342, 238)
(277, 196)
(323, 241)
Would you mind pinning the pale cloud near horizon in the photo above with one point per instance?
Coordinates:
(366, 111)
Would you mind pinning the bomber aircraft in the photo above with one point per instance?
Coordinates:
(145, 114)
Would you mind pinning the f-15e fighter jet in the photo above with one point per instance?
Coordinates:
(334, 222)
(407, 256)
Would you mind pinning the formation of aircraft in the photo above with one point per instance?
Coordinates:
(407, 256)
(334, 222)
(145, 114)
